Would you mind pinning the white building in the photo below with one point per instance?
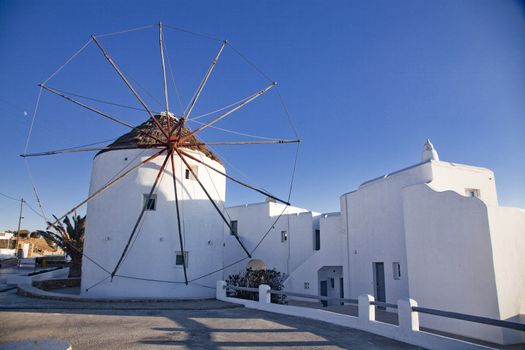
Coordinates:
(7, 244)
(433, 232)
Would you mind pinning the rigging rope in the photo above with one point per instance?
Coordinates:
(218, 270)
(149, 279)
(67, 62)
(99, 282)
(260, 71)
(27, 146)
(142, 88)
(242, 173)
(100, 101)
(223, 108)
(203, 286)
(33, 210)
(235, 132)
(287, 112)
(215, 187)
(126, 31)
(173, 78)
(204, 35)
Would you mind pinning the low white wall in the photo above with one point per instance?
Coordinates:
(407, 331)
(25, 279)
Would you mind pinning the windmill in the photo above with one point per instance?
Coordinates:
(159, 170)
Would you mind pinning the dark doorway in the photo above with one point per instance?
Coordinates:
(379, 282)
(324, 292)
(341, 289)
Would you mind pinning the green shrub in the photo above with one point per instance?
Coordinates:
(253, 279)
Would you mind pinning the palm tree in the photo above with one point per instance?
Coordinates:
(69, 236)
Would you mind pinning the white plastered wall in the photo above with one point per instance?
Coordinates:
(112, 215)
(373, 219)
(257, 220)
(453, 253)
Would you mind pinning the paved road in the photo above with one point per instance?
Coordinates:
(179, 325)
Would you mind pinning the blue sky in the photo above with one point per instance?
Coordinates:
(366, 82)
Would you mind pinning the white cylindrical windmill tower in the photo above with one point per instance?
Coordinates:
(150, 264)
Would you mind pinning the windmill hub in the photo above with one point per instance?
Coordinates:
(172, 142)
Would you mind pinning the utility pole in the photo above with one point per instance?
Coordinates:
(20, 217)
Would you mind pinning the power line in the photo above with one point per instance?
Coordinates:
(9, 197)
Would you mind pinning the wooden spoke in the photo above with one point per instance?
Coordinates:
(213, 202)
(113, 64)
(134, 231)
(164, 71)
(106, 186)
(234, 179)
(56, 92)
(239, 106)
(221, 143)
(178, 218)
(91, 149)
(203, 82)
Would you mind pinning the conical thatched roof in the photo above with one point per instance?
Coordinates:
(138, 139)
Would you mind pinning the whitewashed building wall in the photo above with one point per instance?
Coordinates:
(112, 215)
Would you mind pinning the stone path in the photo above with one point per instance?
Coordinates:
(231, 328)
(205, 324)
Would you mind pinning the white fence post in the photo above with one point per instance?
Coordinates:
(367, 312)
(264, 294)
(408, 319)
(220, 292)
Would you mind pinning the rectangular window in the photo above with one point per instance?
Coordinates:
(317, 240)
(179, 261)
(150, 201)
(189, 175)
(396, 267)
(284, 236)
(233, 225)
(472, 192)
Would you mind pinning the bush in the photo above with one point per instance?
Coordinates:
(253, 279)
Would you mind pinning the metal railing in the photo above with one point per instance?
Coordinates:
(471, 318)
(383, 304)
(448, 314)
(293, 294)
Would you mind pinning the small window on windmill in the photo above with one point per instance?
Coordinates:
(150, 201)
(233, 225)
(284, 236)
(193, 173)
(179, 261)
